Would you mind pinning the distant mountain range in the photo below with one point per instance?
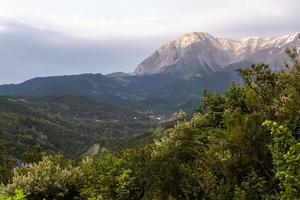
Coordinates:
(172, 78)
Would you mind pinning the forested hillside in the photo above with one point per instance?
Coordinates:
(243, 144)
(65, 124)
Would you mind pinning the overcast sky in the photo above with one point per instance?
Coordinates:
(57, 37)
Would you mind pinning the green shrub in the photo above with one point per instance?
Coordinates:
(52, 178)
(19, 195)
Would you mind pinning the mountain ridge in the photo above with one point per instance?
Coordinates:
(199, 54)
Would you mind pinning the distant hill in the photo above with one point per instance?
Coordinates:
(67, 124)
(162, 93)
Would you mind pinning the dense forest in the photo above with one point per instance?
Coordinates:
(243, 144)
(67, 124)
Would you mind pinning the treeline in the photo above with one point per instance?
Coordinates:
(241, 145)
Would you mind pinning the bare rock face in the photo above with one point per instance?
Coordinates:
(200, 54)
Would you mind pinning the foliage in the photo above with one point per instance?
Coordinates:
(286, 154)
(17, 196)
(52, 178)
(35, 155)
(6, 163)
(111, 176)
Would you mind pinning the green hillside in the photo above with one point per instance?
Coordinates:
(66, 124)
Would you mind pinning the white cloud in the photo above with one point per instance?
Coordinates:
(133, 18)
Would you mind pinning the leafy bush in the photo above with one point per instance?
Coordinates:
(17, 196)
(51, 178)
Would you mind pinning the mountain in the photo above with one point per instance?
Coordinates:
(95, 86)
(201, 54)
(67, 124)
(115, 90)
(172, 78)
(159, 95)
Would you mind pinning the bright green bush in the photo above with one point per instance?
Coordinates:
(17, 196)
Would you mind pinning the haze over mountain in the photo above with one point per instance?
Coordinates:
(172, 78)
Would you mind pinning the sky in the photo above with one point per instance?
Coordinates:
(61, 37)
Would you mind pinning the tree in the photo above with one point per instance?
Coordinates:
(52, 178)
(35, 155)
(285, 150)
(263, 88)
(99, 176)
(7, 163)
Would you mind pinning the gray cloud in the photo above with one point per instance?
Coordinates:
(28, 52)
(279, 19)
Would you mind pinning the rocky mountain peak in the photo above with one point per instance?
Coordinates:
(199, 53)
(192, 38)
